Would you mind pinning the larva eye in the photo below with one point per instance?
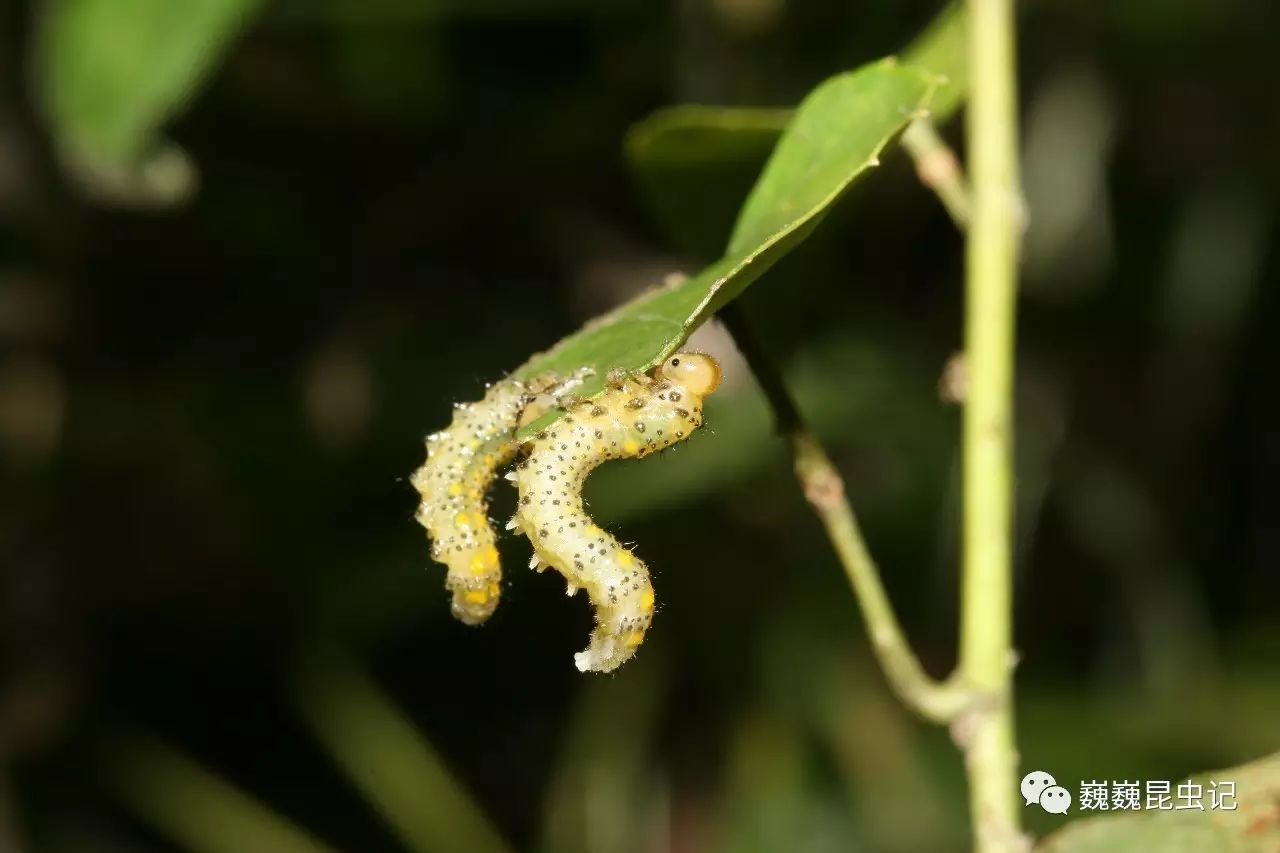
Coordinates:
(697, 373)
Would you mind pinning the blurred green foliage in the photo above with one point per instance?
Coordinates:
(110, 72)
(207, 414)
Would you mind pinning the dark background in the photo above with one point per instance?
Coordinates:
(208, 413)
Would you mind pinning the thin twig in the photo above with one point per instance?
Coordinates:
(939, 701)
(986, 632)
(938, 168)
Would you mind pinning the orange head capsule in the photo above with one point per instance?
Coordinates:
(695, 372)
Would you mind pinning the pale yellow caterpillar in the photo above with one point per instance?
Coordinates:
(635, 416)
(454, 482)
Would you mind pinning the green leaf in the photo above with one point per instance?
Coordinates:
(1253, 826)
(836, 135)
(941, 48)
(694, 165)
(112, 71)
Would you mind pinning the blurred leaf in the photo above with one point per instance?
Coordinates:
(773, 799)
(1254, 826)
(694, 162)
(600, 789)
(111, 73)
(191, 805)
(393, 765)
(836, 135)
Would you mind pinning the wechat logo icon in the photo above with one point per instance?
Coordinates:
(1042, 789)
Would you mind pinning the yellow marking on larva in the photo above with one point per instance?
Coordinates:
(455, 489)
(462, 519)
(551, 513)
(485, 561)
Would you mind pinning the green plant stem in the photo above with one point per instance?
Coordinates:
(986, 632)
(823, 487)
(938, 168)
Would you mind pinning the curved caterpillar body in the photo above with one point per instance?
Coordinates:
(462, 461)
(454, 481)
(633, 418)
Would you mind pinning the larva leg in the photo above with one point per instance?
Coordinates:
(454, 482)
(631, 419)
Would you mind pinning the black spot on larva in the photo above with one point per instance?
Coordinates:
(597, 411)
(635, 403)
(684, 413)
(639, 426)
(542, 435)
(599, 434)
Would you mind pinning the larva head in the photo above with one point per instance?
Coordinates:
(695, 372)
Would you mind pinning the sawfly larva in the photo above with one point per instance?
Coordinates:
(636, 416)
(454, 483)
